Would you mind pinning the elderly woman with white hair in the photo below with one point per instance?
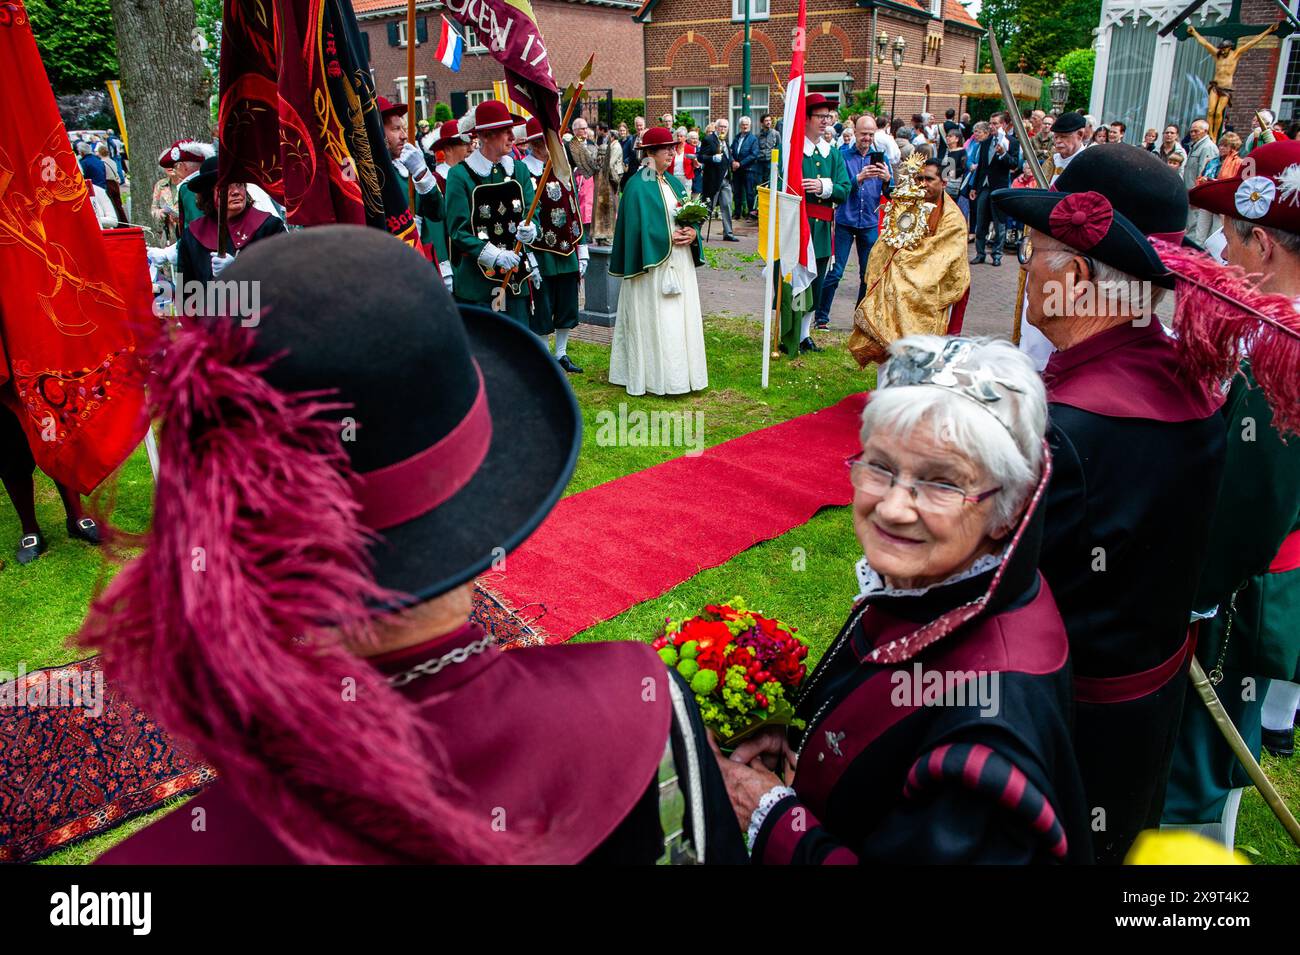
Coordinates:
(936, 727)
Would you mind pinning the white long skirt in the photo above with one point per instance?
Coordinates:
(658, 338)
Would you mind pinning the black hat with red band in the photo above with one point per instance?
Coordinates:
(1109, 203)
(465, 430)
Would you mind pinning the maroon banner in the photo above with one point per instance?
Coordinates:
(510, 31)
(298, 115)
(73, 337)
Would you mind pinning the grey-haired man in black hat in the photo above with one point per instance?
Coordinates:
(1070, 135)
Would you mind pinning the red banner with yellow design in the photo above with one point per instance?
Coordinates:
(72, 358)
(298, 115)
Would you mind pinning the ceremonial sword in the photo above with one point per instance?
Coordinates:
(1040, 177)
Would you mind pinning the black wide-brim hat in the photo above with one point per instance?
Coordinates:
(355, 311)
(1107, 204)
(203, 181)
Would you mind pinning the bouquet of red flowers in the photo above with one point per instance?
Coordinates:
(742, 666)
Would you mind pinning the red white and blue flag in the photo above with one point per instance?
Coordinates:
(804, 268)
(450, 47)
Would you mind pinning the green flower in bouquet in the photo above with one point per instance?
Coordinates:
(742, 667)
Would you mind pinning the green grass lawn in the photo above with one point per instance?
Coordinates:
(804, 577)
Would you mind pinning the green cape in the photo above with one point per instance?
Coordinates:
(643, 234)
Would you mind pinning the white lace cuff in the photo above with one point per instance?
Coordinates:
(765, 805)
(488, 255)
(828, 187)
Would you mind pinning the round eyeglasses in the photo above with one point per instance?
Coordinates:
(1025, 250)
(934, 497)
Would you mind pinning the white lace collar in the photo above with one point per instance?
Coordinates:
(822, 146)
(872, 584)
(535, 165)
(483, 167)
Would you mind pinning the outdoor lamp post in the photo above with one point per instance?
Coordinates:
(1060, 92)
(882, 50)
(900, 47)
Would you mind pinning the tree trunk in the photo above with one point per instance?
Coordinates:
(165, 87)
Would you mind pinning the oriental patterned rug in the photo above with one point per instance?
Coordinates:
(79, 769)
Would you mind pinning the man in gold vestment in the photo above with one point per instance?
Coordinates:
(918, 269)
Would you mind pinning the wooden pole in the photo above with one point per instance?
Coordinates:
(772, 208)
(550, 156)
(411, 128)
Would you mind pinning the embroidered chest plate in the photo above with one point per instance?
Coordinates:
(559, 220)
(497, 208)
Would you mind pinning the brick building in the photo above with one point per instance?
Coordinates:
(1148, 81)
(573, 30)
(693, 53)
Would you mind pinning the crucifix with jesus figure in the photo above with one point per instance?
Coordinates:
(1235, 39)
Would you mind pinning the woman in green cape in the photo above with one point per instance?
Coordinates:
(659, 332)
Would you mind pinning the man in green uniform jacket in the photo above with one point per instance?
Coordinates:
(825, 185)
(454, 146)
(409, 164)
(1252, 574)
(482, 257)
(559, 250)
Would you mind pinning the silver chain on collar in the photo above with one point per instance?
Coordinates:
(437, 664)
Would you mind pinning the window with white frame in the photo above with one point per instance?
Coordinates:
(693, 100)
(1288, 105)
(757, 106)
(758, 9)
(421, 98)
(936, 8)
(472, 42)
(401, 34)
(474, 97)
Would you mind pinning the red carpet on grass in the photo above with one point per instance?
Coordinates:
(613, 546)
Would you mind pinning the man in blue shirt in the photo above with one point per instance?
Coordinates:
(92, 167)
(856, 220)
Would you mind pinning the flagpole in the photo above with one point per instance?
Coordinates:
(772, 211)
(410, 93)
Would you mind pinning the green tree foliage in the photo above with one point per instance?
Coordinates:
(627, 110)
(1077, 65)
(1051, 28)
(207, 17)
(442, 113)
(76, 41)
(864, 101)
(1040, 31)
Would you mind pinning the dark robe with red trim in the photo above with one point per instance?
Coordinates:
(1138, 456)
(889, 774)
(565, 742)
(199, 241)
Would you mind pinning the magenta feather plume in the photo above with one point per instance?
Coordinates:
(229, 626)
(1221, 317)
